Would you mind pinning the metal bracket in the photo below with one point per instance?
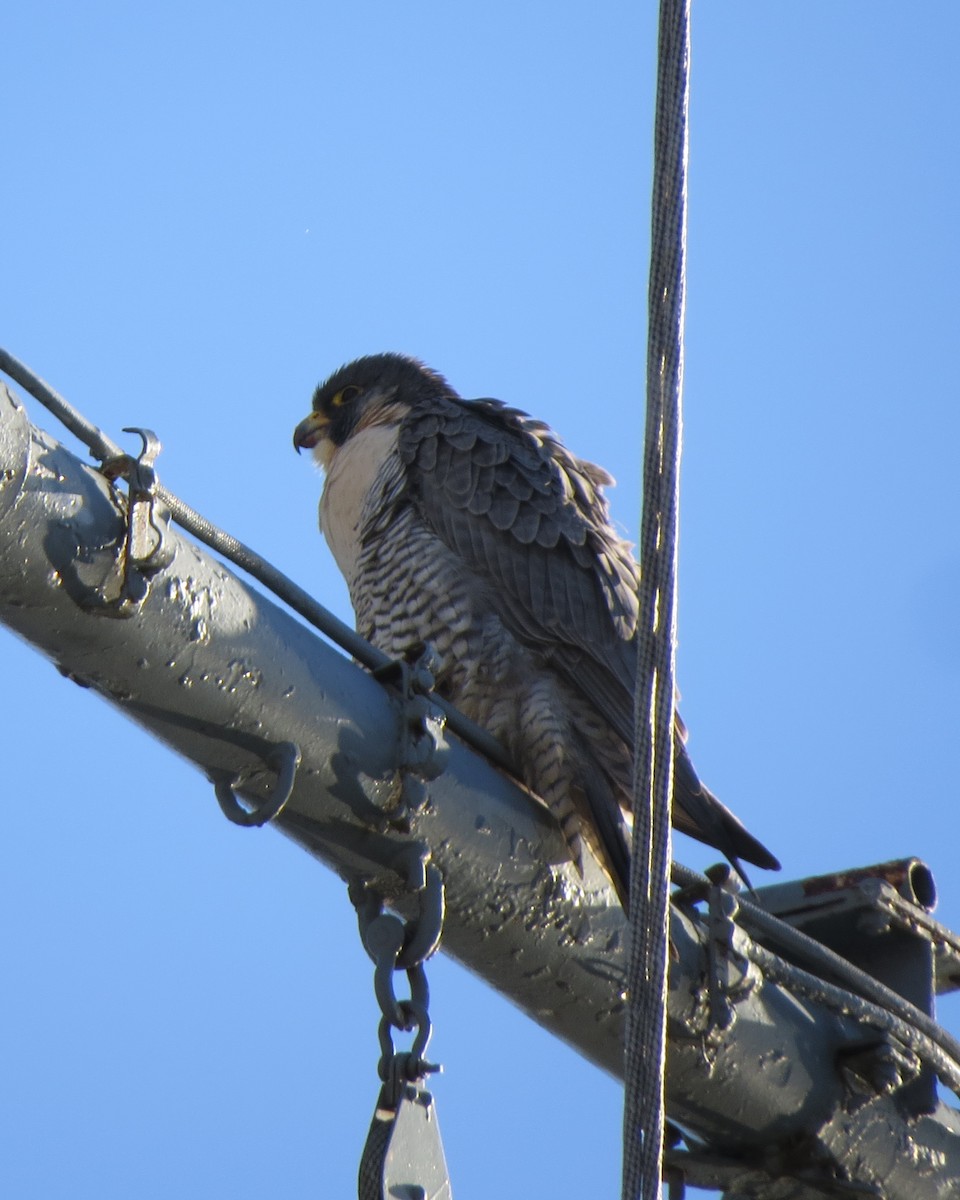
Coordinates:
(147, 549)
(762, 1175)
(731, 975)
(285, 760)
(879, 918)
(403, 1157)
(422, 749)
(422, 933)
(878, 1068)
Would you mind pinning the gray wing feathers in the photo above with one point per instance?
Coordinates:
(529, 519)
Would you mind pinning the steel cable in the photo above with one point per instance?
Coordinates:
(648, 942)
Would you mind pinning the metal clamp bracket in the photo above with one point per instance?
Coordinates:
(422, 933)
(147, 549)
(731, 975)
(403, 1156)
(422, 749)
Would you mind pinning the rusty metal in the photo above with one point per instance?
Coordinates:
(878, 918)
(911, 878)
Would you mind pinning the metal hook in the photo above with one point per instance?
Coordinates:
(147, 548)
(286, 758)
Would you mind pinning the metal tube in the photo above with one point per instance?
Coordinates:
(222, 675)
(217, 671)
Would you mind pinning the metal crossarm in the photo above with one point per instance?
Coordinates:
(789, 1067)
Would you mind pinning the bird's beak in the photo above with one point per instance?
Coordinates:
(310, 430)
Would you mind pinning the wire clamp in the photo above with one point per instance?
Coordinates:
(731, 975)
(147, 548)
(879, 1067)
(422, 750)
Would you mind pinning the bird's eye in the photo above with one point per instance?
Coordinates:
(345, 395)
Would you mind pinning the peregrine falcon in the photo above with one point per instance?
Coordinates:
(469, 525)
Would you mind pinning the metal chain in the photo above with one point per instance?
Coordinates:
(403, 1148)
(397, 945)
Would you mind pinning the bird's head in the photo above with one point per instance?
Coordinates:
(376, 390)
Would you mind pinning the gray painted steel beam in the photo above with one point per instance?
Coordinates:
(223, 675)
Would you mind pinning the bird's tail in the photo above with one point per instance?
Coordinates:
(698, 813)
(605, 830)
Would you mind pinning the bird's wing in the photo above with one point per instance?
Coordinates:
(529, 519)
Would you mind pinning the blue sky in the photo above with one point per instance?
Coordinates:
(205, 210)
